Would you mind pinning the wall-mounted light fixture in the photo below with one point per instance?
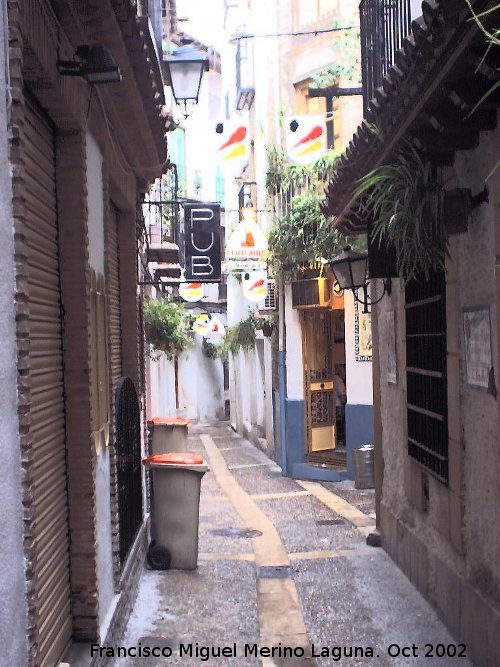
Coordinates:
(93, 62)
(185, 67)
(351, 271)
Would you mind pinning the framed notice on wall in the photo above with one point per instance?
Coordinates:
(390, 339)
(362, 334)
(477, 339)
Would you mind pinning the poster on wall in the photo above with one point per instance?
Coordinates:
(362, 334)
(390, 338)
(477, 337)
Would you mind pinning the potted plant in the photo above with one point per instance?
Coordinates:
(406, 204)
(168, 326)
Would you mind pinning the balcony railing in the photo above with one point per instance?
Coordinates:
(383, 25)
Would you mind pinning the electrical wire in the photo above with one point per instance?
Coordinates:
(297, 33)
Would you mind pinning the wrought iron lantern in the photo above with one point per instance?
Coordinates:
(93, 62)
(185, 67)
(351, 271)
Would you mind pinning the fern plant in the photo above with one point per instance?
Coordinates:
(406, 204)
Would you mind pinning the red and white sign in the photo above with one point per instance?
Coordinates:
(255, 286)
(305, 138)
(209, 326)
(191, 292)
(247, 241)
(232, 146)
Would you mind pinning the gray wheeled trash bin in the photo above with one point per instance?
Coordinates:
(175, 510)
(364, 467)
(168, 434)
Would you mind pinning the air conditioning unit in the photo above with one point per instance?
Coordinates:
(314, 293)
(271, 300)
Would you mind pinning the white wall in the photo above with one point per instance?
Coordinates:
(358, 373)
(294, 370)
(102, 474)
(13, 612)
(201, 385)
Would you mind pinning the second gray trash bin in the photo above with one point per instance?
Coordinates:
(168, 434)
(175, 511)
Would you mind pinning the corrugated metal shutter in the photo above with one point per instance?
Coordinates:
(113, 280)
(50, 500)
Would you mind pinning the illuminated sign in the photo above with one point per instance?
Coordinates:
(202, 243)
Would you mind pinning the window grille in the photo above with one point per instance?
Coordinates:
(427, 405)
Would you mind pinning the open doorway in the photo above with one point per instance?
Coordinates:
(323, 348)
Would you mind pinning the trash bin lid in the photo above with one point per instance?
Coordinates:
(170, 421)
(178, 458)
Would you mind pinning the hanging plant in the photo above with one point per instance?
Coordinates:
(283, 177)
(303, 235)
(264, 324)
(168, 326)
(407, 204)
(209, 349)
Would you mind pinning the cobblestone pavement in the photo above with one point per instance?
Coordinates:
(305, 583)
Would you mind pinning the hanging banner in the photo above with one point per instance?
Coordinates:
(202, 243)
(247, 241)
(232, 147)
(255, 285)
(209, 326)
(191, 292)
(305, 138)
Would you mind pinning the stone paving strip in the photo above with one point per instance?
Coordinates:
(279, 610)
(359, 520)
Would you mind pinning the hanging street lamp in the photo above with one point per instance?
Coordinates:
(185, 67)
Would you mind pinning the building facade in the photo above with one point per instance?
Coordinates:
(436, 337)
(80, 157)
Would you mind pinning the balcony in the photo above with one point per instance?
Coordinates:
(383, 25)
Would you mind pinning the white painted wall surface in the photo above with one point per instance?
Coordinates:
(294, 372)
(13, 611)
(201, 385)
(102, 474)
(358, 373)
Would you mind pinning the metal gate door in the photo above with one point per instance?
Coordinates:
(317, 346)
(49, 485)
(128, 463)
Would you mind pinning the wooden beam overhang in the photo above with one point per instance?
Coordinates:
(429, 94)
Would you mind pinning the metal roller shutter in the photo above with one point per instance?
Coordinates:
(113, 280)
(50, 500)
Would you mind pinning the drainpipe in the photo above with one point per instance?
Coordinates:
(282, 374)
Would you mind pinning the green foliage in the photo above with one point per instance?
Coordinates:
(282, 177)
(303, 234)
(168, 326)
(209, 349)
(407, 208)
(346, 60)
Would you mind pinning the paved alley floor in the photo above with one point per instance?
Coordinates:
(282, 564)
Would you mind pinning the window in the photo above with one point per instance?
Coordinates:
(426, 374)
(219, 186)
(309, 11)
(177, 154)
(320, 106)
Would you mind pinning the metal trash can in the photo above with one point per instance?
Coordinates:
(168, 434)
(364, 467)
(175, 510)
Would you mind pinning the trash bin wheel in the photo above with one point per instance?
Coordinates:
(158, 557)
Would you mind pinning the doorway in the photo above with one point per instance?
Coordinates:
(323, 349)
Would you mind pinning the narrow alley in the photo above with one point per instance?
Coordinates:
(282, 562)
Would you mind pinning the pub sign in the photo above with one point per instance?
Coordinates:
(202, 242)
